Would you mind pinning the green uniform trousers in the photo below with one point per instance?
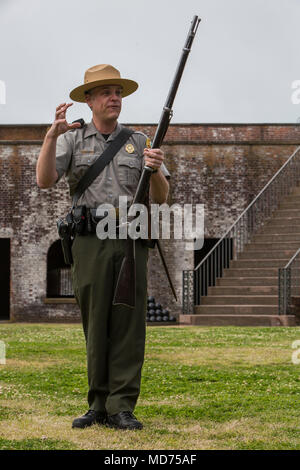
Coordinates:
(115, 335)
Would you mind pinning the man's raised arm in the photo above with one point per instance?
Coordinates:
(46, 174)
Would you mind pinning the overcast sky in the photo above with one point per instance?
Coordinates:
(244, 59)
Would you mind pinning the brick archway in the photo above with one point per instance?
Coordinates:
(59, 283)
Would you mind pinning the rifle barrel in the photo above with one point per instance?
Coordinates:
(166, 114)
(167, 110)
(127, 272)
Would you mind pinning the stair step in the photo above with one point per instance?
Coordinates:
(251, 272)
(272, 247)
(282, 229)
(290, 205)
(235, 320)
(251, 309)
(295, 190)
(279, 220)
(292, 198)
(243, 290)
(282, 237)
(258, 263)
(286, 212)
(247, 281)
(240, 300)
(265, 254)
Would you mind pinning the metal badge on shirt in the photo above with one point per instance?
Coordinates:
(129, 148)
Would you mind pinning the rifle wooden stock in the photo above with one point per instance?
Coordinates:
(127, 273)
(125, 287)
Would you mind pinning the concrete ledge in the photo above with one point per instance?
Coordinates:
(195, 133)
(239, 310)
(238, 320)
(59, 300)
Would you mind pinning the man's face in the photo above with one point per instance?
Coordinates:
(106, 102)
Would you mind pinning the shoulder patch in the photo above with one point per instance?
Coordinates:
(141, 140)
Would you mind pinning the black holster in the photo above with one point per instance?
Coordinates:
(65, 232)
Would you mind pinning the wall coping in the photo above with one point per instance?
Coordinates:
(178, 133)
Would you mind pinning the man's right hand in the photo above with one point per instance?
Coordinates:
(60, 125)
(46, 173)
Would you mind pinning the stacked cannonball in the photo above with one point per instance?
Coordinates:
(155, 312)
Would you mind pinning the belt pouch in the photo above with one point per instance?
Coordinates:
(79, 219)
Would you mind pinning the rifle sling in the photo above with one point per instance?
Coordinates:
(101, 162)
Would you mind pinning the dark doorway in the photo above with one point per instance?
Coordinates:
(59, 282)
(206, 275)
(208, 244)
(4, 278)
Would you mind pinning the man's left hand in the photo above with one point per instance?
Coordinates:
(154, 158)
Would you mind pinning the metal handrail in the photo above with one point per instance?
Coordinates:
(249, 206)
(288, 283)
(196, 281)
(292, 259)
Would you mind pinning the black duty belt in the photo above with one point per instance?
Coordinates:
(85, 219)
(114, 212)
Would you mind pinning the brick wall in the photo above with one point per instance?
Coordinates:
(220, 166)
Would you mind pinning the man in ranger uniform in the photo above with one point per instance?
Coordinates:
(115, 334)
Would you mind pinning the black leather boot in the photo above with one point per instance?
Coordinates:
(91, 417)
(123, 420)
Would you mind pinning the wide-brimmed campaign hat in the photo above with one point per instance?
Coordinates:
(100, 75)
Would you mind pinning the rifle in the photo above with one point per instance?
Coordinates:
(125, 288)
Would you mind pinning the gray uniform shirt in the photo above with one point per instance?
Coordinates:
(76, 150)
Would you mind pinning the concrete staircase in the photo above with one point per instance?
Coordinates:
(247, 294)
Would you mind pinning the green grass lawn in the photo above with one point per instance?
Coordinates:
(202, 388)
